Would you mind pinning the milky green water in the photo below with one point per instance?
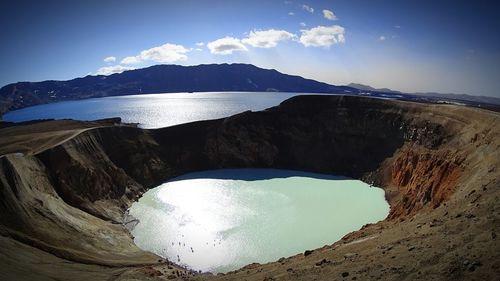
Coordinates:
(221, 220)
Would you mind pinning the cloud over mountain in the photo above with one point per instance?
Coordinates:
(267, 38)
(322, 36)
(166, 53)
(226, 46)
(108, 70)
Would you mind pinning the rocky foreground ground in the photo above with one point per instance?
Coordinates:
(65, 186)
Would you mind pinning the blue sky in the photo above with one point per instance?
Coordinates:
(444, 46)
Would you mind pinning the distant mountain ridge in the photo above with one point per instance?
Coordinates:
(199, 78)
(448, 96)
(162, 79)
(363, 87)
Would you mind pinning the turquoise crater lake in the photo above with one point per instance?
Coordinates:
(221, 220)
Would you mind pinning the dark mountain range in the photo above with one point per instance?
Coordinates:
(162, 79)
(200, 78)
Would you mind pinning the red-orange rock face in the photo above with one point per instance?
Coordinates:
(423, 177)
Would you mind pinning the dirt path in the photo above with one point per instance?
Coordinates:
(33, 138)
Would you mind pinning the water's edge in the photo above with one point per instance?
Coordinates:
(131, 222)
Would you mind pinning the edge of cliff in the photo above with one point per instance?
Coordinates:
(64, 193)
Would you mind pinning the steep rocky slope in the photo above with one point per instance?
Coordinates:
(62, 207)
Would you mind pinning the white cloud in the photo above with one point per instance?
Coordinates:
(381, 38)
(322, 36)
(226, 46)
(329, 15)
(131, 60)
(166, 53)
(307, 8)
(291, 13)
(267, 38)
(397, 26)
(200, 44)
(110, 59)
(108, 70)
(303, 24)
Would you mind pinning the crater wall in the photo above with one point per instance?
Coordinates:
(69, 200)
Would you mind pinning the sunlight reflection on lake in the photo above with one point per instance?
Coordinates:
(221, 220)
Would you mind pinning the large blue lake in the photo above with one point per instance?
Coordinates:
(154, 110)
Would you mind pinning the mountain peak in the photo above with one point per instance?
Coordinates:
(161, 79)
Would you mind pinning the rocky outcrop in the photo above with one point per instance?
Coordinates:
(69, 200)
(424, 177)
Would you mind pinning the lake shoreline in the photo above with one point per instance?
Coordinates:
(242, 211)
